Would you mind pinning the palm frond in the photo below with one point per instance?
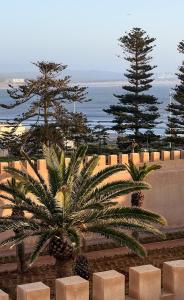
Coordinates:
(33, 167)
(55, 179)
(32, 185)
(148, 169)
(39, 246)
(87, 216)
(94, 181)
(74, 236)
(119, 236)
(129, 224)
(74, 200)
(14, 240)
(132, 170)
(135, 213)
(138, 173)
(115, 189)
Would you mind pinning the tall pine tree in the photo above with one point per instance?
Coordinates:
(136, 111)
(175, 125)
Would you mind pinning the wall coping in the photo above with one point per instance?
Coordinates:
(144, 284)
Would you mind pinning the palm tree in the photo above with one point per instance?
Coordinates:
(138, 174)
(73, 200)
(16, 214)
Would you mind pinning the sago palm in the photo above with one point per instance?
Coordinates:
(16, 214)
(138, 174)
(73, 200)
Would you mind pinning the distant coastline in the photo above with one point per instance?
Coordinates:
(104, 83)
(111, 83)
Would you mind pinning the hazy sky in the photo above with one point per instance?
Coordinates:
(84, 33)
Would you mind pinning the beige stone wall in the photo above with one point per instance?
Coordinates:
(167, 194)
(144, 284)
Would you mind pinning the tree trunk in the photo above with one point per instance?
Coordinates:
(46, 123)
(45, 109)
(21, 262)
(137, 199)
(20, 248)
(64, 268)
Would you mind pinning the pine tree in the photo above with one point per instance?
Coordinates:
(12, 142)
(175, 125)
(100, 136)
(34, 138)
(79, 130)
(43, 94)
(136, 111)
(73, 125)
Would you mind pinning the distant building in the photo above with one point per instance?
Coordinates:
(69, 144)
(18, 81)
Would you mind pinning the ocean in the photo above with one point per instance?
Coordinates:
(101, 95)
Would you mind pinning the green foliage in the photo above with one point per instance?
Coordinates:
(136, 110)
(76, 127)
(175, 126)
(43, 96)
(75, 201)
(138, 173)
(100, 136)
(12, 142)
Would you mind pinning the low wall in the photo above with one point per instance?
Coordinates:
(167, 194)
(144, 284)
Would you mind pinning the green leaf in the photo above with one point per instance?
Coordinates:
(121, 237)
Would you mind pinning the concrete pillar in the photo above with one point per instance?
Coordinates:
(72, 288)
(41, 165)
(135, 157)
(102, 161)
(165, 155)
(101, 164)
(33, 291)
(112, 160)
(176, 154)
(3, 295)
(42, 168)
(182, 154)
(108, 285)
(144, 157)
(29, 169)
(155, 156)
(67, 160)
(145, 283)
(123, 159)
(17, 164)
(173, 278)
(87, 158)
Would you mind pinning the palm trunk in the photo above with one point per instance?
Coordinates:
(137, 200)
(21, 262)
(20, 248)
(81, 264)
(64, 268)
